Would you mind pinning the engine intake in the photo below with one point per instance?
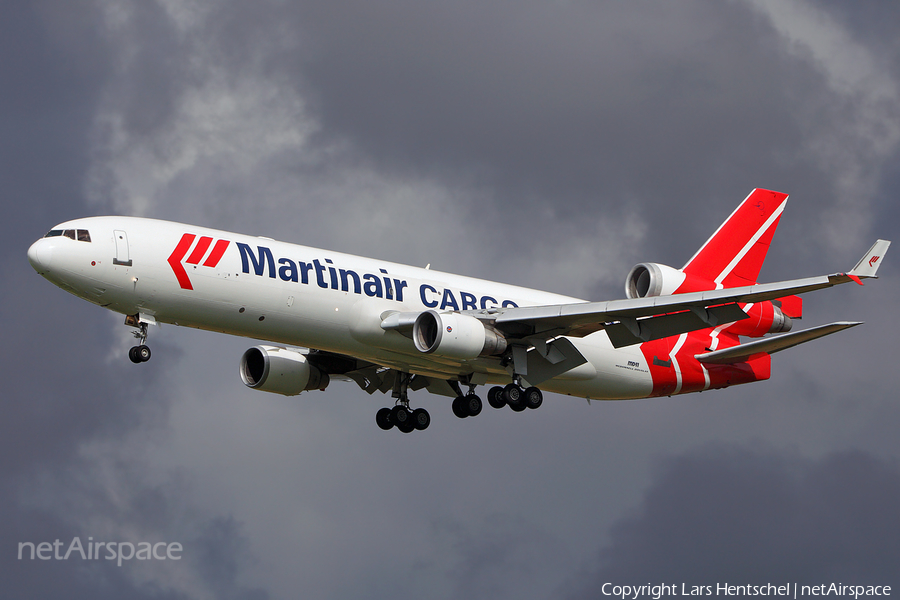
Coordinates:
(652, 279)
(280, 371)
(452, 335)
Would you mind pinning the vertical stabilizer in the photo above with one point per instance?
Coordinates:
(735, 253)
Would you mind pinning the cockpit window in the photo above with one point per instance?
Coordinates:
(82, 235)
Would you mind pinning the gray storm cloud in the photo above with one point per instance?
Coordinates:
(552, 146)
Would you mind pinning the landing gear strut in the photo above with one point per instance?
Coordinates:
(401, 416)
(141, 352)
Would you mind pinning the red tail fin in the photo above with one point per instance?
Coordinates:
(735, 253)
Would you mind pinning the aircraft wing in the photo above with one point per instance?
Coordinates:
(636, 320)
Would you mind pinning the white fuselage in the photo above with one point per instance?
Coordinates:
(301, 296)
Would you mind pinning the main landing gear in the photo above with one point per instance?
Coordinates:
(469, 405)
(141, 352)
(464, 405)
(401, 416)
(515, 397)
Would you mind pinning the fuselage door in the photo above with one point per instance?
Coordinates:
(122, 255)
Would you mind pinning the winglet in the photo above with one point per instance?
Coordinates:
(871, 260)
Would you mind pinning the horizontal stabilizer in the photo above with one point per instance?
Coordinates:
(869, 263)
(743, 352)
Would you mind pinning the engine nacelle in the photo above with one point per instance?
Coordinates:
(764, 317)
(652, 279)
(453, 335)
(280, 371)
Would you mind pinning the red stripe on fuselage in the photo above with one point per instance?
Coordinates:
(681, 373)
(216, 255)
(200, 250)
(174, 260)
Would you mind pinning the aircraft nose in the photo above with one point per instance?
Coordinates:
(39, 256)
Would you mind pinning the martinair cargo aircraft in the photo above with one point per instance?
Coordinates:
(391, 327)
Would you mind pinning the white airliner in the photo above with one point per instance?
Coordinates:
(396, 328)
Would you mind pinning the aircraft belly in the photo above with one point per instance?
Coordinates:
(620, 373)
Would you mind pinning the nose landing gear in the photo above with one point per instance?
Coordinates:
(141, 352)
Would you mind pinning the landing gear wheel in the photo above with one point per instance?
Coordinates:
(383, 418)
(514, 397)
(533, 397)
(472, 404)
(495, 397)
(459, 407)
(401, 416)
(139, 354)
(421, 419)
(407, 427)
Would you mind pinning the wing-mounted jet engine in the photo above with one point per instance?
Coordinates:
(452, 335)
(280, 371)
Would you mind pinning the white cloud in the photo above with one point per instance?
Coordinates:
(230, 119)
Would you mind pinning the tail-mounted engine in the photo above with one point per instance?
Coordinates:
(652, 279)
(452, 335)
(764, 317)
(280, 371)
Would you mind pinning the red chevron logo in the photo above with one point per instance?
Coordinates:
(873, 260)
(181, 250)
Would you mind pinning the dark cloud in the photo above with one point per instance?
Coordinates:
(587, 108)
(53, 80)
(551, 146)
(744, 516)
(62, 389)
(213, 548)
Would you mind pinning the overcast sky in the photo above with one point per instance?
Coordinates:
(552, 145)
